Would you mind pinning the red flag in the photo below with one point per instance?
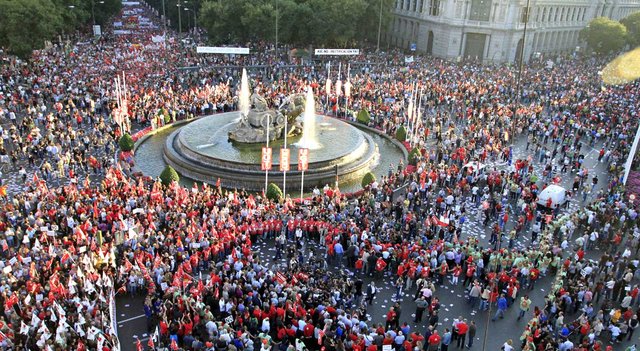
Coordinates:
(218, 183)
(280, 278)
(127, 265)
(150, 343)
(65, 257)
(174, 344)
(138, 345)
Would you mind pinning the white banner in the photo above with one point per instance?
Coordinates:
(320, 52)
(97, 31)
(158, 38)
(113, 322)
(222, 50)
(408, 59)
(121, 31)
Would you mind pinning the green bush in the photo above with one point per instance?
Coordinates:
(363, 117)
(169, 175)
(414, 156)
(368, 179)
(401, 134)
(274, 193)
(126, 143)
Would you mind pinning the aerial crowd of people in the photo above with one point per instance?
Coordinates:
(78, 230)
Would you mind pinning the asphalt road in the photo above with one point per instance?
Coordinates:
(132, 322)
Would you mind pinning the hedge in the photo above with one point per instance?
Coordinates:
(169, 175)
(126, 143)
(367, 179)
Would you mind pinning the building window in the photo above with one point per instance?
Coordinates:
(434, 7)
(480, 10)
(415, 5)
(523, 14)
(555, 18)
(544, 14)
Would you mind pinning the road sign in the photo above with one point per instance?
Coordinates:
(284, 160)
(303, 159)
(413, 47)
(266, 158)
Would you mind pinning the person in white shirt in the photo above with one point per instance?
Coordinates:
(507, 346)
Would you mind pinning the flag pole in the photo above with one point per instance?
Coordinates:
(301, 185)
(284, 174)
(266, 171)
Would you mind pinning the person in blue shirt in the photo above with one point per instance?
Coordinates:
(339, 251)
(502, 307)
(446, 340)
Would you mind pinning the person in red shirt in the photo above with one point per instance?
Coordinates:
(462, 329)
(391, 315)
(434, 341)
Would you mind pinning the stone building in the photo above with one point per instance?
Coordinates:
(492, 30)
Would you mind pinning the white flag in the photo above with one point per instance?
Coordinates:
(35, 320)
(24, 329)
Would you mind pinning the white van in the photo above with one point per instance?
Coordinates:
(555, 193)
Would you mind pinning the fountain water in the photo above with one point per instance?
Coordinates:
(244, 97)
(309, 138)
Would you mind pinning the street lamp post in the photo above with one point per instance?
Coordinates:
(521, 58)
(179, 17)
(93, 12)
(379, 27)
(277, 17)
(188, 10)
(164, 17)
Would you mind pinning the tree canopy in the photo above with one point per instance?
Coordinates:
(45, 19)
(632, 23)
(604, 35)
(302, 22)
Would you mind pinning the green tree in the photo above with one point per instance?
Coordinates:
(367, 179)
(401, 134)
(368, 23)
(300, 22)
(364, 117)
(169, 175)
(604, 35)
(414, 156)
(274, 193)
(42, 18)
(632, 23)
(126, 143)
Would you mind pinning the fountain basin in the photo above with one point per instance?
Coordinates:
(202, 151)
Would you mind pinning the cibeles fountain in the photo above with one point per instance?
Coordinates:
(229, 145)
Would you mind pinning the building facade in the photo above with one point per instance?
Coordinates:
(493, 30)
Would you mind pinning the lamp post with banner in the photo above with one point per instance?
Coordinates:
(266, 170)
(284, 168)
(266, 165)
(303, 165)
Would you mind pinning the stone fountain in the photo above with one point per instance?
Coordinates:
(257, 120)
(228, 145)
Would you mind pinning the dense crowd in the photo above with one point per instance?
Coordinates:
(77, 229)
